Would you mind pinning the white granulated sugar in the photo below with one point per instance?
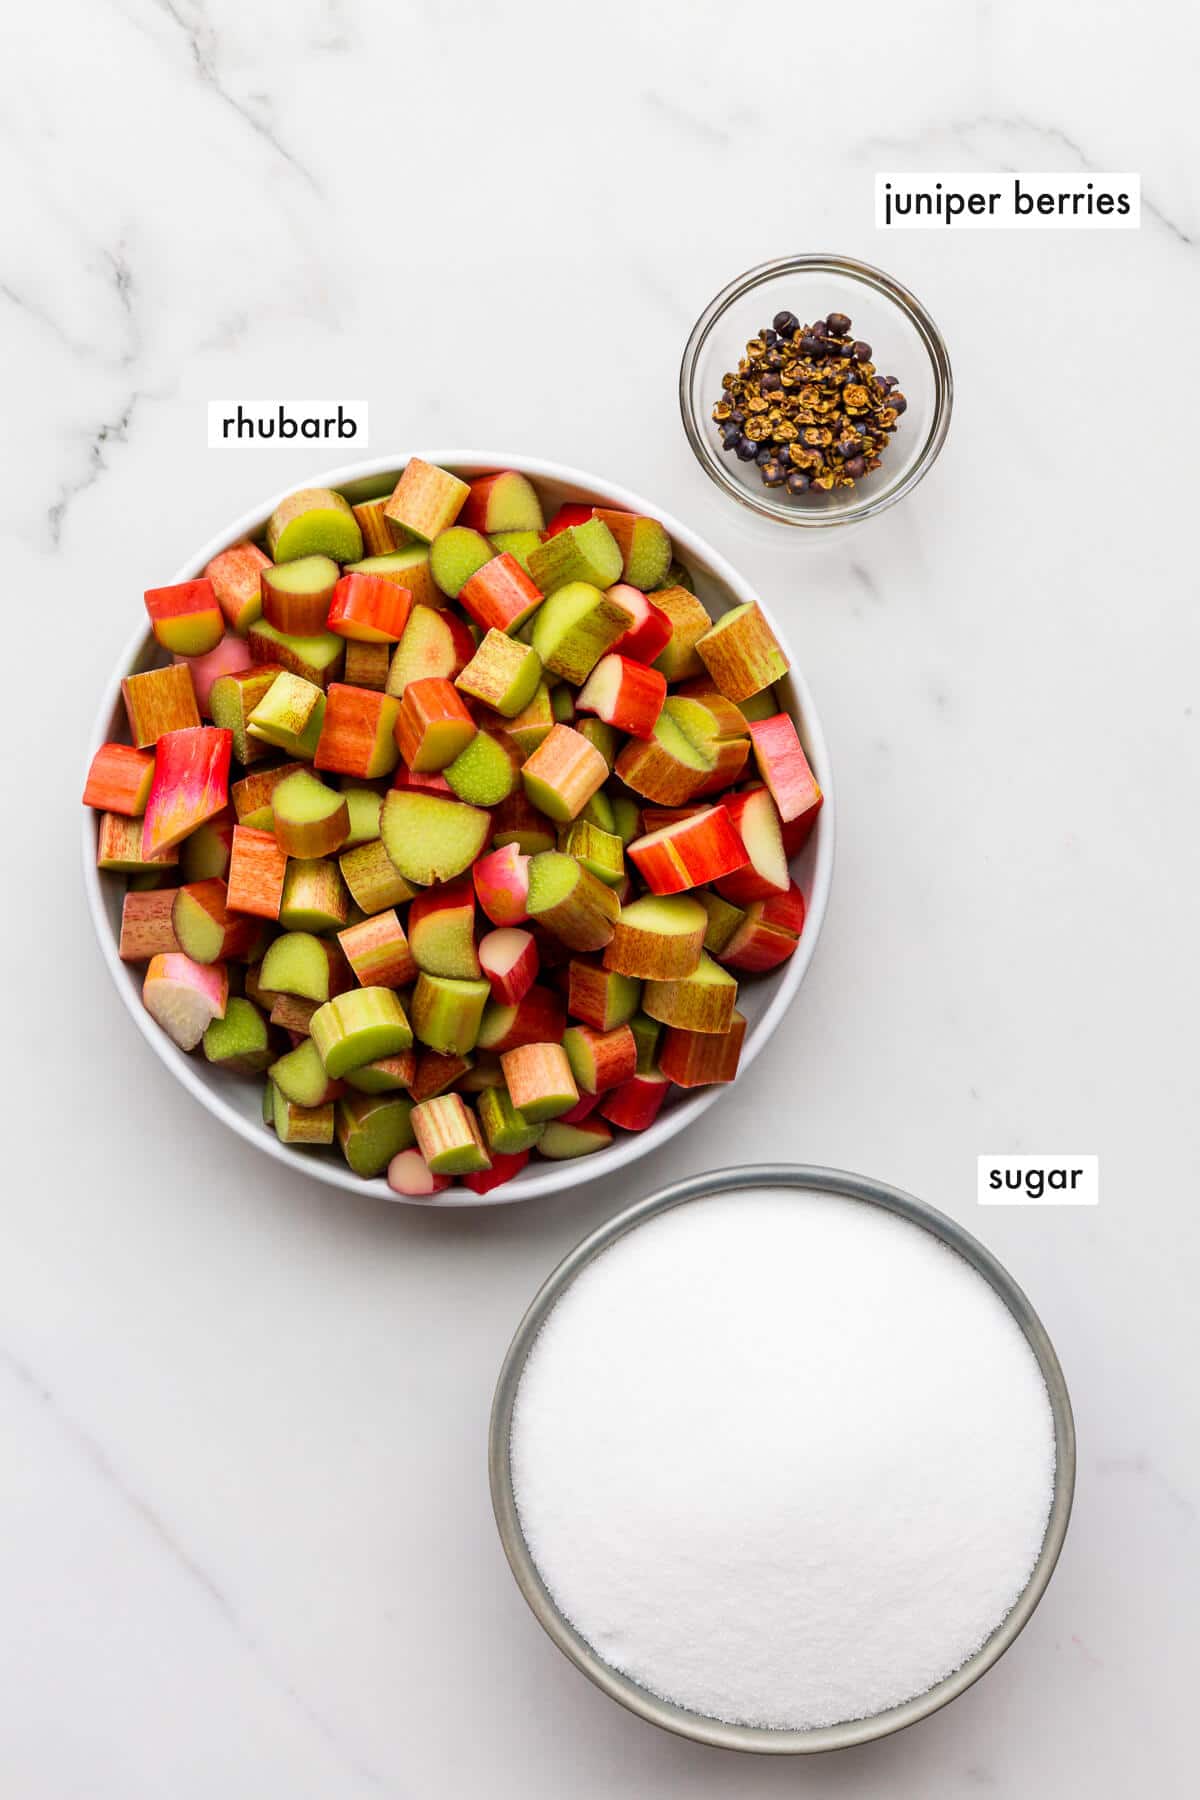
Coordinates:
(783, 1458)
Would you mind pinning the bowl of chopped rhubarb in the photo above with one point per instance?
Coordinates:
(453, 819)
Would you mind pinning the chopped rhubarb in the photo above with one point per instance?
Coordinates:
(191, 783)
(230, 657)
(119, 780)
(689, 853)
(509, 958)
(257, 868)
(378, 951)
(186, 618)
(539, 1081)
(784, 767)
(625, 694)
(741, 652)
(500, 596)
(650, 632)
(357, 732)
(159, 700)
(236, 578)
(502, 1170)
(409, 1175)
(756, 822)
(502, 885)
(369, 609)
(563, 773)
(184, 996)
(426, 500)
(637, 1102)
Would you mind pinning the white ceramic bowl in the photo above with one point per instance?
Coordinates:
(235, 1101)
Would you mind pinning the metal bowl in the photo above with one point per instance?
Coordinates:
(664, 1712)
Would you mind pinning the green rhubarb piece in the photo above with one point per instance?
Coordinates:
(495, 1025)
(576, 624)
(448, 1136)
(763, 705)
(313, 522)
(598, 850)
(296, 1124)
(364, 806)
(455, 555)
(769, 659)
(510, 503)
(442, 939)
(484, 1073)
(230, 699)
(359, 1027)
(310, 819)
(385, 1075)
(627, 818)
(437, 1074)
(587, 552)
(599, 812)
(204, 853)
(669, 729)
(601, 735)
(504, 674)
(119, 848)
(300, 1075)
(560, 1143)
(648, 556)
(723, 920)
(373, 879)
(306, 578)
(646, 1034)
(520, 545)
(532, 725)
(506, 1130)
(623, 997)
(562, 704)
(430, 838)
(371, 1129)
(296, 963)
(678, 575)
(571, 902)
(528, 837)
(198, 934)
(268, 1104)
(659, 997)
(289, 715)
(315, 898)
(447, 1013)
(317, 656)
(579, 1042)
(407, 567)
(240, 1041)
(483, 774)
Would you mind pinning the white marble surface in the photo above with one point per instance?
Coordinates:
(245, 1541)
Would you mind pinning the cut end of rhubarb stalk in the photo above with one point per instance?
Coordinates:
(410, 1175)
(184, 997)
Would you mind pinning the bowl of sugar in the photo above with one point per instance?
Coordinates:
(782, 1459)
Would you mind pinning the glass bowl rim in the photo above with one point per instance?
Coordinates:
(891, 290)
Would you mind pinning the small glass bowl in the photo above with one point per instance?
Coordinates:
(905, 343)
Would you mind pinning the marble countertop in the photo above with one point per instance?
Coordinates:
(246, 1547)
